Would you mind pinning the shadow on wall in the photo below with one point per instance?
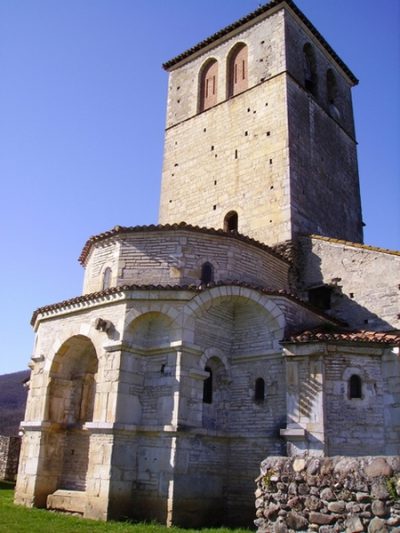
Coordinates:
(342, 284)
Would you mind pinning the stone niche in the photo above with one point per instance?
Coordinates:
(329, 495)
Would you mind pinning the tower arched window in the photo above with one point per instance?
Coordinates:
(310, 69)
(207, 273)
(107, 278)
(208, 85)
(355, 387)
(208, 386)
(231, 221)
(237, 68)
(331, 86)
(259, 390)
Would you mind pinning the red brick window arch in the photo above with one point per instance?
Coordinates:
(238, 77)
(208, 84)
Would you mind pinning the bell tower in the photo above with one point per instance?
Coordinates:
(260, 134)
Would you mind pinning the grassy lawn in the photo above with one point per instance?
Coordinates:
(18, 519)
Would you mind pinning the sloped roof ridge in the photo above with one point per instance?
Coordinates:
(252, 15)
(342, 335)
(116, 230)
(191, 287)
(354, 244)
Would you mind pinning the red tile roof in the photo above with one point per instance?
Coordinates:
(253, 15)
(363, 336)
(195, 288)
(117, 230)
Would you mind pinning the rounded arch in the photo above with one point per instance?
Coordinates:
(237, 69)
(310, 69)
(150, 329)
(208, 84)
(231, 221)
(273, 317)
(216, 353)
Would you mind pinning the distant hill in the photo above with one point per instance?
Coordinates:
(12, 401)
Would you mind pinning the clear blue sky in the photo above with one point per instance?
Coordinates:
(82, 111)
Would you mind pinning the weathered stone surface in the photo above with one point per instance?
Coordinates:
(296, 521)
(354, 525)
(379, 508)
(321, 519)
(378, 467)
(337, 507)
(377, 525)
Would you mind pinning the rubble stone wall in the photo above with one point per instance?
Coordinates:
(329, 495)
(9, 455)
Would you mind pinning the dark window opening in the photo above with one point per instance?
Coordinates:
(310, 70)
(231, 221)
(259, 390)
(331, 86)
(355, 387)
(207, 273)
(320, 297)
(207, 386)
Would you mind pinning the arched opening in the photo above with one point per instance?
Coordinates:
(355, 387)
(207, 273)
(259, 390)
(231, 221)
(208, 85)
(331, 86)
(107, 278)
(208, 386)
(310, 69)
(70, 404)
(150, 330)
(237, 67)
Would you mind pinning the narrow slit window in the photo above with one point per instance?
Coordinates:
(355, 387)
(259, 390)
(207, 386)
(207, 273)
(107, 278)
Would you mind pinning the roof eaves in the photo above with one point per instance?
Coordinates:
(251, 16)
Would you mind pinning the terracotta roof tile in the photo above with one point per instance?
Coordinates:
(251, 16)
(195, 288)
(174, 227)
(320, 335)
(355, 244)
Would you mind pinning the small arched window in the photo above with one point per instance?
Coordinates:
(208, 386)
(208, 84)
(107, 278)
(237, 69)
(259, 390)
(310, 69)
(207, 273)
(231, 221)
(355, 387)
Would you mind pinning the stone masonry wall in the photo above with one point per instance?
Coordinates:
(329, 495)
(9, 455)
(173, 257)
(366, 291)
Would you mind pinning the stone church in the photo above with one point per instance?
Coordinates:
(252, 321)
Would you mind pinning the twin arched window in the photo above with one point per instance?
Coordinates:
(237, 77)
(237, 70)
(208, 84)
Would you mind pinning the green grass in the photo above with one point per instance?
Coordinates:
(17, 519)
